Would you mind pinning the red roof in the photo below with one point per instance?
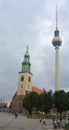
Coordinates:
(37, 90)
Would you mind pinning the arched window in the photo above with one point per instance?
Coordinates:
(29, 79)
(22, 78)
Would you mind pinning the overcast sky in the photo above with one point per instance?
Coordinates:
(32, 23)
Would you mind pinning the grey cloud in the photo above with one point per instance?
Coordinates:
(31, 22)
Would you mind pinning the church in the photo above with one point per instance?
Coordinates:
(24, 84)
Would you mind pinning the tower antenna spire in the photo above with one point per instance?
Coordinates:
(56, 18)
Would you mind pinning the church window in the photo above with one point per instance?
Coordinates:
(29, 79)
(22, 78)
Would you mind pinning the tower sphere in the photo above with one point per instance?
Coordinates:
(57, 40)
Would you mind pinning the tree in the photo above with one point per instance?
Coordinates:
(30, 102)
(60, 101)
(38, 102)
(67, 95)
(46, 102)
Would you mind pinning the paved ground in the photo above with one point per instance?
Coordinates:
(8, 122)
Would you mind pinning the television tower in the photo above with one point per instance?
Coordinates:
(56, 43)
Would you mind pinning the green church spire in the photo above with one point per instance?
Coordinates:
(26, 63)
(26, 56)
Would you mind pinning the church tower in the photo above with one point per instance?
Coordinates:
(25, 76)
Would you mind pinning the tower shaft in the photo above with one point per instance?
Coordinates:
(57, 41)
(57, 69)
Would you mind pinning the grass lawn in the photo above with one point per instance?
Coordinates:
(66, 128)
(37, 116)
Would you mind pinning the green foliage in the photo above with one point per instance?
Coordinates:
(67, 96)
(29, 101)
(46, 101)
(60, 101)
